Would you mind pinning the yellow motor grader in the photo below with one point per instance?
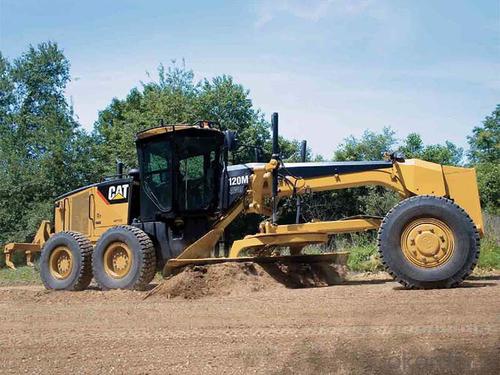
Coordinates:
(172, 212)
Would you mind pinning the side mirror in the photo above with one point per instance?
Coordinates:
(230, 140)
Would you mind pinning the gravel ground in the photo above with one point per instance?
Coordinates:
(368, 325)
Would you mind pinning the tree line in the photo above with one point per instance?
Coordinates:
(44, 152)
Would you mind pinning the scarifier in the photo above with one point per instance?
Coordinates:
(173, 211)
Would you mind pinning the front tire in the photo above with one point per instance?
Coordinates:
(428, 242)
(66, 262)
(124, 258)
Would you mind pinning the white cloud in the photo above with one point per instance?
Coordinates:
(311, 10)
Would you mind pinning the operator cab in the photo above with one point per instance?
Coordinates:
(180, 168)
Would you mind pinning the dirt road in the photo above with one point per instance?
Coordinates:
(368, 326)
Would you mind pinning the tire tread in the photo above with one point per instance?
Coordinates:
(85, 251)
(148, 270)
(458, 279)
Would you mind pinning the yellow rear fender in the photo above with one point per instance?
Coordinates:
(459, 184)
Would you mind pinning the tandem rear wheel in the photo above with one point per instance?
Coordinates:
(124, 258)
(428, 242)
(66, 262)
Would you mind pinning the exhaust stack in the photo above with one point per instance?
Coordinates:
(275, 156)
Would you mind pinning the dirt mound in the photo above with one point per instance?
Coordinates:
(242, 278)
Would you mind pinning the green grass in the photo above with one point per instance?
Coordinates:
(364, 258)
(362, 248)
(489, 257)
(21, 276)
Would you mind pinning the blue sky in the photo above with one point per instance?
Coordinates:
(330, 68)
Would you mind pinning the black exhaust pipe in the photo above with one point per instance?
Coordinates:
(119, 169)
(275, 156)
(274, 125)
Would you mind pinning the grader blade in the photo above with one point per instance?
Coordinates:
(340, 258)
(266, 247)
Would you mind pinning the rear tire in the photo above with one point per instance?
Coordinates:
(428, 242)
(66, 262)
(124, 258)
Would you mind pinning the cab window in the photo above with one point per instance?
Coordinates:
(198, 166)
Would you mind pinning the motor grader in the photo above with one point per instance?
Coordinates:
(172, 211)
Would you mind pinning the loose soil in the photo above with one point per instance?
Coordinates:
(244, 278)
(367, 324)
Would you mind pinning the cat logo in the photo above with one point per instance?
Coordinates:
(118, 192)
(113, 194)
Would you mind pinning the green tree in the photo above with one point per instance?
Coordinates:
(175, 97)
(43, 152)
(371, 146)
(485, 140)
(448, 154)
(485, 154)
(489, 186)
(7, 99)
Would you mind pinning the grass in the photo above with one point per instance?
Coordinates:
(490, 244)
(490, 255)
(362, 248)
(364, 258)
(21, 276)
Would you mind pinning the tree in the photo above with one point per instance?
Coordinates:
(175, 97)
(489, 186)
(7, 99)
(485, 140)
(448, 154)
(42, 149)
(371, 146)
(485, 154)
(376, 200)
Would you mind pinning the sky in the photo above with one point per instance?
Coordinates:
(331, 68)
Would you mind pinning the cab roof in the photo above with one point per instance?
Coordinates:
(204, 126)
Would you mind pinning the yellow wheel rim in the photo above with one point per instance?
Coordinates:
(427, 242)
(61, 262)
(118, 259)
